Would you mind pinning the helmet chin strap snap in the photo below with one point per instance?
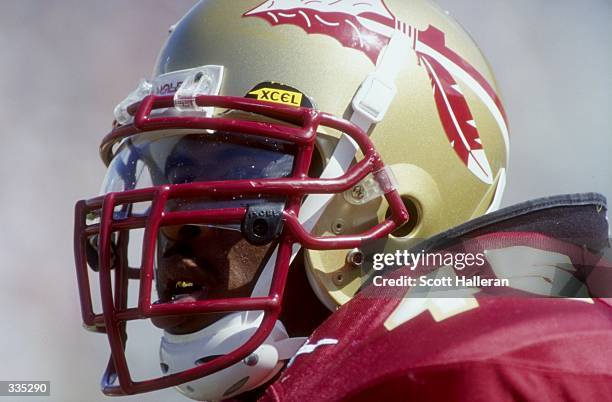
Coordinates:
(182, 352)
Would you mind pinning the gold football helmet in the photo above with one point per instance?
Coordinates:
(287, 124)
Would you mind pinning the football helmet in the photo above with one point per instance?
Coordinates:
(269, 127)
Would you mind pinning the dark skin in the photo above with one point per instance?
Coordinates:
(199, 263)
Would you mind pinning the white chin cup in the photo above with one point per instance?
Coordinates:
(181, 352)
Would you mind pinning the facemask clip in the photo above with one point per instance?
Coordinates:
(202, 81)
(263, 223)
(373, 186)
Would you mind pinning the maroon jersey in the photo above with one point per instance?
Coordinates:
(383, 346)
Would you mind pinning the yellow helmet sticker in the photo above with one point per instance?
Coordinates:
(279, 93)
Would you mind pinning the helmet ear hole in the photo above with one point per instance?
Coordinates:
(414, 211)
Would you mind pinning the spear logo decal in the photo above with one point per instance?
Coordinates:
(367, 26)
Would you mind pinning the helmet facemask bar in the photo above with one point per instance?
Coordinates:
(115, 313)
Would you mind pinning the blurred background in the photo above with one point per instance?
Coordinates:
(64, 65)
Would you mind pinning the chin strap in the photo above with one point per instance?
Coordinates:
(376, 93)
(182, 352)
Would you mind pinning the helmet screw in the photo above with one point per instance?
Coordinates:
(355, 258)
(338, 226)
(251, 360)
(358, 192)
(339, 279)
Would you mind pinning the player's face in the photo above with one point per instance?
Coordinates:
(202, 262)
(198, 262)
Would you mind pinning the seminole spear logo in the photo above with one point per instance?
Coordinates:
(368, 26)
